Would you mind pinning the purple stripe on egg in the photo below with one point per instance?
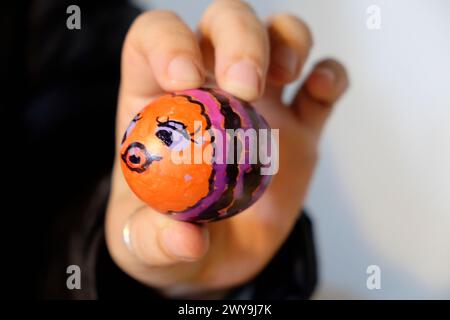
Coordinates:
(219, 170)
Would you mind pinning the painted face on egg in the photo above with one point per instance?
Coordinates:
(183, 125)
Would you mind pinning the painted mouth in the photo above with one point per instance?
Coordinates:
(137, 158)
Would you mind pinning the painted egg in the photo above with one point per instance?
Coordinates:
(195, 155)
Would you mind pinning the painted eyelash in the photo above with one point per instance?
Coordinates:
(166, 123)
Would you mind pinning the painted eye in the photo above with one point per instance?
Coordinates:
(136, 157)
(173, 134)
(165, 135)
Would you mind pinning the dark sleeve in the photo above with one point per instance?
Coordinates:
(290, 275)
(60, 106)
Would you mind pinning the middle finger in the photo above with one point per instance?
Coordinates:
(241, 47)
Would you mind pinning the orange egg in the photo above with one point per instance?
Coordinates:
(170, 155)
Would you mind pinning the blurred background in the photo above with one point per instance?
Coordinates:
(381, 192)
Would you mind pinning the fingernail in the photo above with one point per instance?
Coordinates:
(326, 73)
(173, 245)
(127, 237)
(242, 79)
(183, 70)
(287, 59)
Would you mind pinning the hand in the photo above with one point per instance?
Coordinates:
(237, 51)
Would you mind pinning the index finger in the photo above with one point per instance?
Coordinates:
(160, 53)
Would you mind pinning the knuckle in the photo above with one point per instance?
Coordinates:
(153, 20)
(242, 28)
(152, 15)
(141, 20)
(161, 28)
(232, 11)
(249, 35)
(293, 24)
(238, 5)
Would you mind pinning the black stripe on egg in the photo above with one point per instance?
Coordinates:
(231, 121)
(252, 178)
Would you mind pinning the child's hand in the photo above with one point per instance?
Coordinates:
(253, 62)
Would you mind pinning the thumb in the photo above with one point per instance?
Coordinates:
(158, 241)
(138, 236)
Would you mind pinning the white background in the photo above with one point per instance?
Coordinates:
(381, 193)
